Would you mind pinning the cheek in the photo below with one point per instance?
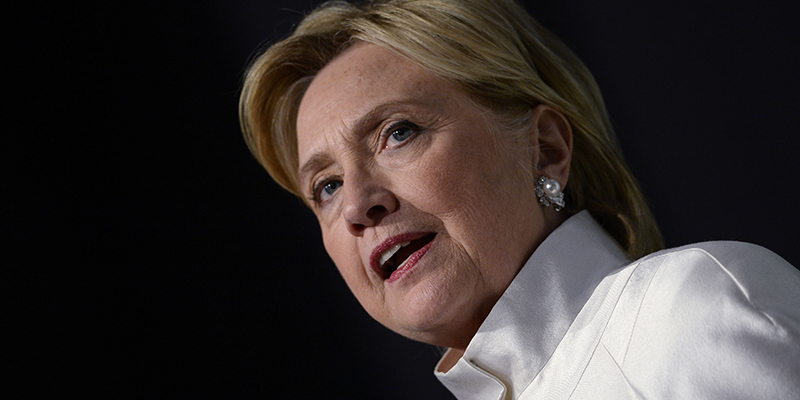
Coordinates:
(344, 252)
(455, 180)
(482, 198)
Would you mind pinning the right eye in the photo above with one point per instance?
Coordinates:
(325, 190)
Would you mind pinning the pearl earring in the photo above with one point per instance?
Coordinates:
(549, 192)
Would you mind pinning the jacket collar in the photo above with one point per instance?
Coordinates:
(530, 319)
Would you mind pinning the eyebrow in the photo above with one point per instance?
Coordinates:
(316, 162)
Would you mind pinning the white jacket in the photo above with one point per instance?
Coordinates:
(717, 320)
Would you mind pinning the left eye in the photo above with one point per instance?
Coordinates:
(401, 134)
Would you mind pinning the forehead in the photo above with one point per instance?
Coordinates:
(353, 85)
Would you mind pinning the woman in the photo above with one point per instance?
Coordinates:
(468, 187)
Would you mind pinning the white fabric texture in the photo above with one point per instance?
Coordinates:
(717, 320)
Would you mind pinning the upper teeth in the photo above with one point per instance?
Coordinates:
(391, 251)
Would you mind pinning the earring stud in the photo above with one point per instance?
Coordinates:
(549, 192)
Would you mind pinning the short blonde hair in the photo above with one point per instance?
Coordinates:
(491, 49)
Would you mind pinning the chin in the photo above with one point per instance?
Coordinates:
(432, 316)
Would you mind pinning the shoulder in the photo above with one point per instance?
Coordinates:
(723, 253)
(762, 277)
(728, 255)
(723, 277)
(710, 315)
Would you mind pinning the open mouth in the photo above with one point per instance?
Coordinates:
(398, 255)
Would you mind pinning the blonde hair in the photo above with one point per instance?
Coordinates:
(495, 52)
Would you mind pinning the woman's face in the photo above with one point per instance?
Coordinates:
(427, 214)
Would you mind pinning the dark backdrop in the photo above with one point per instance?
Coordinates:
(148, 255)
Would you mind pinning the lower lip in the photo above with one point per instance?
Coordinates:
(412, 261)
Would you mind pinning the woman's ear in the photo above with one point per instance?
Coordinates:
(551, 137)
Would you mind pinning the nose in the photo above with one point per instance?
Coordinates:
(367, 202)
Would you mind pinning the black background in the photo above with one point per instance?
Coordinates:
(150, 256)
